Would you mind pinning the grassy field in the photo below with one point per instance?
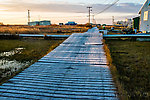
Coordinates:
(32, 51)
(132, 62)
(52, 29)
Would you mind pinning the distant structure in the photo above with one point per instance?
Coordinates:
(61, 23)
(34, 23)
(90, 9)
(71, 23)
(94, 21)
(43, 23)
(121, 23)
(127, 23)
(136, 23)
(113, 20)
(145, 17)
(29, 16)
(1, 23)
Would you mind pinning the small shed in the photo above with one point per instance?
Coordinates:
(136, 22)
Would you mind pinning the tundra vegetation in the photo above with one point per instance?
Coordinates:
(16, 55)
(52, 29)
(130, 66)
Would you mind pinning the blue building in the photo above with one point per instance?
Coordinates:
(44, 22)
(34, 23)
(71, 23)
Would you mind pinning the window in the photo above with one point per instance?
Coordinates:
(145, 15)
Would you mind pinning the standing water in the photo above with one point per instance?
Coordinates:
(7, 68)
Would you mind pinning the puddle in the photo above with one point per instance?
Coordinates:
(7, 68)
(11, 53)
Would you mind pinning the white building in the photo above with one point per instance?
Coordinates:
(145, 17)
(129, 23)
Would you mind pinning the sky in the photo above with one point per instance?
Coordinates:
(62, 11)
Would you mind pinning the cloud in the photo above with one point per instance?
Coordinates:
(60, 6)
(119, 8)
(127, 8)
(49, 7)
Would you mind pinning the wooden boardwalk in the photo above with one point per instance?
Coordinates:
(74, 70)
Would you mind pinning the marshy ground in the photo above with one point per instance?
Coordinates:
(132, 61)
(15, 55)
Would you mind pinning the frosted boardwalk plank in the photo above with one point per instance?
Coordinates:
(76, 69)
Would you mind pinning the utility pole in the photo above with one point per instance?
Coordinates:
(90, 9)
(29, 17)
(113, 20)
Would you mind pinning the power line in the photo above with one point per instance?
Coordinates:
(108, 7)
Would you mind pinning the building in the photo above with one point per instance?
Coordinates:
(129, 23)
(34, 23)
(121, 23)
(61, 24)
(45, 22)
(71, 23)
(145, 17)
(136, 23)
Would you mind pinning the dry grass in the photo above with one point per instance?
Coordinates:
(120, 90)
(18, 30)
(41, 29)
(131, 60)
(33, 50)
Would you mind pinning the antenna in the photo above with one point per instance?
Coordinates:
(29, 17)
(113, 20)
(94, 21)
(39, 18)
(90, 9)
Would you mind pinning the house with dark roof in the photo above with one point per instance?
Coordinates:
(145, 17)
